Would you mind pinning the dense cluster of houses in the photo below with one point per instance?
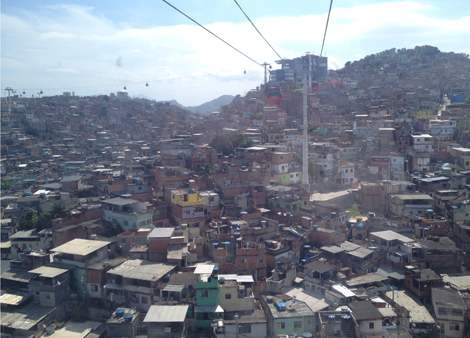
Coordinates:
(163, 236)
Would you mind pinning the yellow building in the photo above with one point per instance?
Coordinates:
(186, 198)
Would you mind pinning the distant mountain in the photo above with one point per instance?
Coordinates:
(205, 108)
(211, 106)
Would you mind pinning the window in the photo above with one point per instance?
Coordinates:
(140, 188)
(244, 328)
(371, 325)
(204, 293)
(457, 312)
(454, 326)
(280, 326)
(94, 288)
(297, 325)
(442, 310)
(144, 300)
(228, 296)
(126, 222)
(244, 260)
(261, 260)
(47, 296)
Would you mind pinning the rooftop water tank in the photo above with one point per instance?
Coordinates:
(120, 313)
(346, 317)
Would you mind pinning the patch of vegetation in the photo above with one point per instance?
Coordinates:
(43, 220)
(226, 143)
(6, 185)
(353, 212)
(80, 313)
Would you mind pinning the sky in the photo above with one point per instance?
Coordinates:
(99, 47)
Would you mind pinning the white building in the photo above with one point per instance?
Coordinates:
(422, 142)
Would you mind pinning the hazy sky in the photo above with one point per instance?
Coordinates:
(98, 47)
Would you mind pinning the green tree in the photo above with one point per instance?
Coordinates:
(80, 313)
(29, 220)
(97, 151)
(59, 210)
(32, 131)
(222, 143)
(206, 172)
(43, 221)
(227, 143)
(104, 111)
(467, 100)
(6, 185)
(242, 141)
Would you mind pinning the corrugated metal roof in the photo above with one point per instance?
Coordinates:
(143, 270)
(166, 314)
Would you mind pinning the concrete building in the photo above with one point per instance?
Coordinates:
(124, 322)
(287, 315)
(126, 213)
(449, 309)
(164, 321)
(135, 281)
(368, 318)
(80, 253)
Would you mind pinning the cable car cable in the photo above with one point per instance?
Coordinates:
(197, 23)
(326, 27)
(257, 29)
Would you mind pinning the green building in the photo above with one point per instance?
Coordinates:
(207, 296)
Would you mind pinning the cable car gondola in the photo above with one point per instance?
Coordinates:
(274, 96)
(315, 86)
(146, 84)
(125, 87)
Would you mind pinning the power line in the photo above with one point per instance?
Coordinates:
(326, 27)
(197, 23)
(257, 29)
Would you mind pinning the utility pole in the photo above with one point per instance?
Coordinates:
(236, 323)
(305, 181)
(309, 71)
